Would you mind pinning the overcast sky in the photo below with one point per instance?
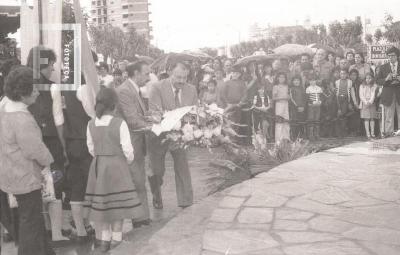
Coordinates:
(188, 24)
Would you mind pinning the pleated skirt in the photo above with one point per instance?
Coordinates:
(110, 193)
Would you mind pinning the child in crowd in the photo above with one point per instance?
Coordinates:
(297, 107)
(281, 97)
(262, 106)
(328, 109)
(344, 94)
(314, 94)
(210, 95)
(110, 194)
(355, 119)
(367, 106)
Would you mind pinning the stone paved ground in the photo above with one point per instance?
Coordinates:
(345, 201)
(137, 240)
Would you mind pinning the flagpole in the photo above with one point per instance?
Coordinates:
(40, 12)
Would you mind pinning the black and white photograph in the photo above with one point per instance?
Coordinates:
(187, 127)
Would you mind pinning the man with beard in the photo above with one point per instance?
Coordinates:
(168, 95)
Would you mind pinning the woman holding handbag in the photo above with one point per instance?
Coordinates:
(24, 157)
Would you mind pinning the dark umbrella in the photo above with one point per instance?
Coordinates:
(167, 60)
(259, 59)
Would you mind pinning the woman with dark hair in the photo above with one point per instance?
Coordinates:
(24, 158)
(360, 65)
(331, 57)
(233, 94)
(298, 100)
(48, 113)
(110, 194)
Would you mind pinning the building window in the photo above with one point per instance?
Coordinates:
(104, 2)
(98, 3)
(125, 24)
(104, 11)
(94, 19)
(124, 7)
(125, 16)
(105, 20)
(99, 11)
(94, 3)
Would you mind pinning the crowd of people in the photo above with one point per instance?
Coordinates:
(101, 158)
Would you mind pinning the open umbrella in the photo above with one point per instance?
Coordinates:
(293, 50)
(198, 54)
(169, 59)
(146, 59)
(259, 59)
(327, 48)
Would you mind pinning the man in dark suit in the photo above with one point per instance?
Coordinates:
(133, 110)
(389, 77)
(168, 95)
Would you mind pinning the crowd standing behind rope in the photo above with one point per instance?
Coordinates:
(306, 98)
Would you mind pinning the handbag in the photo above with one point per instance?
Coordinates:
(48, 192)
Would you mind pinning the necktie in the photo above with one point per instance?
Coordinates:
(140, 94)
(177, 101)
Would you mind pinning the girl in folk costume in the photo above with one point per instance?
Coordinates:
(110, 194)
(367, 106)
(344, 95)
(281, 97)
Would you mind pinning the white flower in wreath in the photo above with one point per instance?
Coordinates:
(208, 133)
(177, 126)
(198, 133)
(217, 131)
(187, 129)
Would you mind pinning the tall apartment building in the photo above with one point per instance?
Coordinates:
(122, 14)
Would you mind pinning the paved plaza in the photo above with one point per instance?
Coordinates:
(345, 201)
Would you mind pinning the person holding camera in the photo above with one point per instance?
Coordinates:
(389, 77)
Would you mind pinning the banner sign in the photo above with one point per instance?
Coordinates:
(377, 53)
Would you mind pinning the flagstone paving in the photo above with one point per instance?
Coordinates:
(344, 201)
(331, 203)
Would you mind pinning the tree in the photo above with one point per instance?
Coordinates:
(369, 38)
(107, 40)
(378, 34)
(392, 29)
(347, 33)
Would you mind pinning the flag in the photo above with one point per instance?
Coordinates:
(91, 88)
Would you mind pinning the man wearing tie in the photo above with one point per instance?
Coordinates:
(389, 77)
(133, 110)
(168, 95)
